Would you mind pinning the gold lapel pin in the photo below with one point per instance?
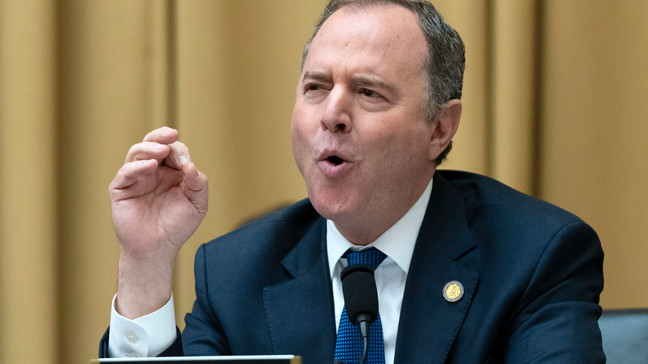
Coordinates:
(453, 291)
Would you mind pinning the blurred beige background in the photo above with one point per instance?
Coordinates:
(555, 100)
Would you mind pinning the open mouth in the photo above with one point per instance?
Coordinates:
(335, 160)
(334, 163)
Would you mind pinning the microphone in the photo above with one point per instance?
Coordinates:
(361, 300)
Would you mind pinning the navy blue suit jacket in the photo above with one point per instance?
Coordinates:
(532, 275)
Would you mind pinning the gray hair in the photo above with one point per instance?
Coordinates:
(445, 63)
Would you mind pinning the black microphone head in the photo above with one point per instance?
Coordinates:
(360, 294)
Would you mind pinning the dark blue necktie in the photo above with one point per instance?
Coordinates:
(348, 346)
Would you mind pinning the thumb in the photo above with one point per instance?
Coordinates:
(196, 187)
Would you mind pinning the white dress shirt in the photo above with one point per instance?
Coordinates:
(148, 335)
(398, 244)
(151, 334)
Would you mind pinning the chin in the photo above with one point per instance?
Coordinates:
(332, 207)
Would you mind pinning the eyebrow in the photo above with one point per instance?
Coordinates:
(314, 75)
(365, 81)
(369, 81)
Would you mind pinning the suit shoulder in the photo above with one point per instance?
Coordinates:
(299, 213)
(483, 193)
(250, 257)
(284, 226)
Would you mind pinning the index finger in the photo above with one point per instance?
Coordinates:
(163, 135)
(178, 155)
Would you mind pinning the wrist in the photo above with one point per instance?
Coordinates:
(144, 286)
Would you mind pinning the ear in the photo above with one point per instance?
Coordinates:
(444, 127)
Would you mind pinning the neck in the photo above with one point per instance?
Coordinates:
(366, 228)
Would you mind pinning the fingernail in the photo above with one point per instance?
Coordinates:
(184, 159)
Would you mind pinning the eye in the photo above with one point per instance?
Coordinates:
(369, 93)
(372, 100)
(312, 87)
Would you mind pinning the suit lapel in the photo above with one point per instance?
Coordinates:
(300, 314)
(299, 311)
(429, 323)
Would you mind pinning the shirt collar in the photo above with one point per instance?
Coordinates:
(397, 242)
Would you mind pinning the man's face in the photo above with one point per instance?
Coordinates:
(359, 133)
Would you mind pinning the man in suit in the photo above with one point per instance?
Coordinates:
(474, 271)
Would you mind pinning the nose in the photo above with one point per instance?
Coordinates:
(337, 111)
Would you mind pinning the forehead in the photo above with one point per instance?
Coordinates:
(384, 36)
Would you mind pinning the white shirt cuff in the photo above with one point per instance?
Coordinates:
(148, 335)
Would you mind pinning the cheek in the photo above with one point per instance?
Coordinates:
(409, 147)
(305, 122)
(296, 124)
(300, 119)
(300, 137)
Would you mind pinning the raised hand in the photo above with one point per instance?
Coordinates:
(158, 200)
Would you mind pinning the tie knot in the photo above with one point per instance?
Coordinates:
(371, 257)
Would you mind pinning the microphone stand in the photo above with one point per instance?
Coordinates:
(364, 323)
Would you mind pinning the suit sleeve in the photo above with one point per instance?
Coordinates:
(174, 350)
(203, 334)
(559, 319)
